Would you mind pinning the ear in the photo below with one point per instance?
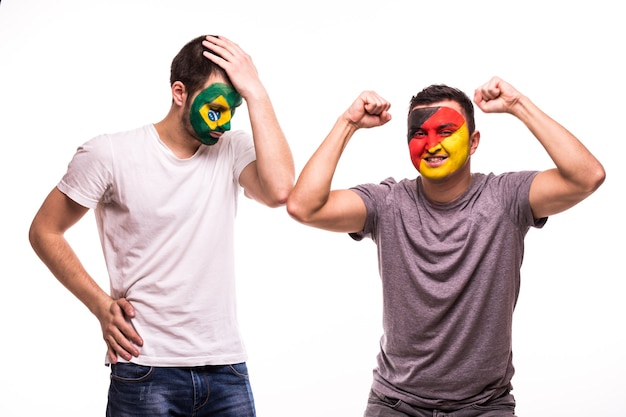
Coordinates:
(179, 93)
(474, 141)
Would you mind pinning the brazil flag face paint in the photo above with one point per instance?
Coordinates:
(438, 141)
(212, 110)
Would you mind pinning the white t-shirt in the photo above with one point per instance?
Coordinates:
(167, 228)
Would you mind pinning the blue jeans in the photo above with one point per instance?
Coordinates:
(379, 405)
(204, 391)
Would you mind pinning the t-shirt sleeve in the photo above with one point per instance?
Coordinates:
(88, 176)
(244, 152)
(515, 191)
(372, 195)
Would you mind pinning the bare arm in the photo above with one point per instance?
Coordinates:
(57, 214)
(577, 174)
(312, 202)
(270, 178)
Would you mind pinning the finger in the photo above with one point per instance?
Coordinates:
(493, 93)
(126, 307)
(385, 117)
(222, 46)
(111, 354)
(371, 107)
(120, 327)
(216, 53)
(223, 41)
(487, 93)
(375, 108)
(493, 88)
(478, 96)
(120, 344)
(374, 104)
(128, 332)
(215, 56)
(115, 349)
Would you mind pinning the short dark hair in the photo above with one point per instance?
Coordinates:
(192, 69)
(440, 92)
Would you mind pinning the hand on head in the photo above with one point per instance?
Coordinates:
(236, 62)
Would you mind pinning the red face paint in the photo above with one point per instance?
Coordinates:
(428, 127)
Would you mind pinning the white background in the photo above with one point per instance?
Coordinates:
(310, 300)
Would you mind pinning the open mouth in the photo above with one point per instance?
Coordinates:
(435, 160)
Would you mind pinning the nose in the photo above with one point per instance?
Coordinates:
(433, 144)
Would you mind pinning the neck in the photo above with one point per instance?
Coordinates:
(448, 189)
(173, 134)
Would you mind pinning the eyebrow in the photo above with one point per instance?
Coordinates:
(215, 105)
(448, 125)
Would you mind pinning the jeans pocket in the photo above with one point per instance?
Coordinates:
(239, 369)
(130, 372)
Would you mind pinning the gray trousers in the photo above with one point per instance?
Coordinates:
(379, 405)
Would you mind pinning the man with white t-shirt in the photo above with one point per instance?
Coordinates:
(165, 198)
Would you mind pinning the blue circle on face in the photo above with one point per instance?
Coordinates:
(213, 115)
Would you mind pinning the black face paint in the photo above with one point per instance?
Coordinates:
(416, 119)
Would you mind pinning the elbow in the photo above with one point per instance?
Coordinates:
(298, 211)
(277, 202)
(595, 177)
(600, 177)
(34, 237)
(282, 196)
(296, 215)
(294, 210)
(278, 198)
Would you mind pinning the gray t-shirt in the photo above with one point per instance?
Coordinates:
(450, 280)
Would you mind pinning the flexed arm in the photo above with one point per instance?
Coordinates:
(270, 178)
(577, 174)
(57, 214)
(312, 202)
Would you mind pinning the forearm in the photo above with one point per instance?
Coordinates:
(573, 160)
(58, 256)
(274, 160)
(312, 189)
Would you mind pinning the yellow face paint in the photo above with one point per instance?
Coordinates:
(215, 114)
(438, 141)
(212, 110)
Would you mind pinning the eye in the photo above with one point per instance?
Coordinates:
(214, 115)
(419, 134)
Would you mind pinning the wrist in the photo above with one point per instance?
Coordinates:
(346, 123)
(254, 93)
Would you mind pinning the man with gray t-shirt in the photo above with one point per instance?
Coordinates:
(450, 244)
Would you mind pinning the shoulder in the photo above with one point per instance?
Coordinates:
(236, 139)
(508, 192)
(507, 180)
(123, 137)
(234, 145)
(388, 189)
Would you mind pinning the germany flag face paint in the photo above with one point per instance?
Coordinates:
(212, 110)
(438, 141)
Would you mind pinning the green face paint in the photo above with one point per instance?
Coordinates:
(212, 110)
